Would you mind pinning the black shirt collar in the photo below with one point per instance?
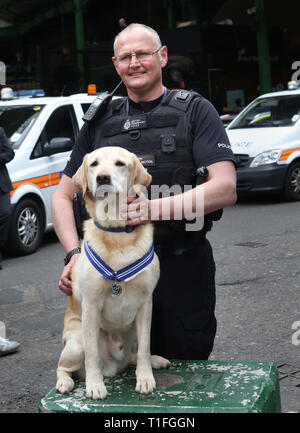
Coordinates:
(143, 106)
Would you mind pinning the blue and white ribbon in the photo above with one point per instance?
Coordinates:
(122, 274)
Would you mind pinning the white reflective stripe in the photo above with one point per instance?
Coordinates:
(107, 272)
(137, 266)
(94, 260)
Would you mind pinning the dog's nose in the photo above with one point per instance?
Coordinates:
(103, 179)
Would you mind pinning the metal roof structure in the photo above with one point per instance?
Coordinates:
(20, 16)
(34, 34)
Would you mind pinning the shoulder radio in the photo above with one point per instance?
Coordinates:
(99, 105)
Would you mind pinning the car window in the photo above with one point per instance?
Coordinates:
(85, 107)
(269, 112)
(17, 121)
(61, 123)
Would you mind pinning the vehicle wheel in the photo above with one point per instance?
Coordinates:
(292, 182)
(26, 228)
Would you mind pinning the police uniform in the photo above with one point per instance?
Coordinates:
(172, 135)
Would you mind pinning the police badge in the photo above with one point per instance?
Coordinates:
(127, 124)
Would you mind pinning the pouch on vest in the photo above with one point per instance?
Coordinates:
(80, 212)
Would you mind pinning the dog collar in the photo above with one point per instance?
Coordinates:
(122, 274)
(126, 229)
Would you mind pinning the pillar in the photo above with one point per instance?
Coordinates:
(265, 82)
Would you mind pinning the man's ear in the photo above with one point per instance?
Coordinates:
(115, 64)
(164, 56)
(140, 174)
(80, 177)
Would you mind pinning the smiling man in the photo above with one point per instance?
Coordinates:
(139, 59)
(174, 133)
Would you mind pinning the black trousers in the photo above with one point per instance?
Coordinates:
(5, 211)
(183, 318)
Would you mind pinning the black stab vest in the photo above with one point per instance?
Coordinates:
(162, 140)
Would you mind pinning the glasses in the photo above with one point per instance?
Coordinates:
(142, 56)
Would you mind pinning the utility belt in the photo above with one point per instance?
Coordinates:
(170, 237)
(178, 245)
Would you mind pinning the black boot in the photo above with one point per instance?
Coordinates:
(0, 259)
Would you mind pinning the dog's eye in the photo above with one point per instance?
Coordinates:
(94, 163)
(120, 164)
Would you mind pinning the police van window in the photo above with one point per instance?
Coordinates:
(268, 112)
(85, 107)
(62, 123)
(17, 121)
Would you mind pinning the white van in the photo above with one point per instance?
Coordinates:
(265, 138)
(42, 131)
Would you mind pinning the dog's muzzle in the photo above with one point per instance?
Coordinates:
(103, 179)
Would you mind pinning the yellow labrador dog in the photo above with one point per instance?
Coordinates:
(109, 312)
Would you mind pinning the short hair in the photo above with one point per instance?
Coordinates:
(156, 38)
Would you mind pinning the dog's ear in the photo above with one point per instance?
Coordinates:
(140, 174)
(80, 179)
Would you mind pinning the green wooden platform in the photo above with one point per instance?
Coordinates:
(188, 386)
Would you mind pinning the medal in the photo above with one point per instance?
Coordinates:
(115, 288)
(122, 274)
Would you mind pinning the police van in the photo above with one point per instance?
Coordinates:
(265, 138)
(42, 131)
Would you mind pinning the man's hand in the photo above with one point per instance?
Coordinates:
(136, 210)
(65, 282)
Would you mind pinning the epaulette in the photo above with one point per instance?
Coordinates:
(181, 98)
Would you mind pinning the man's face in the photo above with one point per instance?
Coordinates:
(143, 79)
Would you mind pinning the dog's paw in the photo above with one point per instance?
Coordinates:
(96, 391)
(158, 362)
(64, 385)
(145, 385)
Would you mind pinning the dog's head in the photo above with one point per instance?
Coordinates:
(109, 171)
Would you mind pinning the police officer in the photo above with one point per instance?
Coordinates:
(6, 155)
(174, 133)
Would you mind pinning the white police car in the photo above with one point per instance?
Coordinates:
(265, 138)
(42, 131)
